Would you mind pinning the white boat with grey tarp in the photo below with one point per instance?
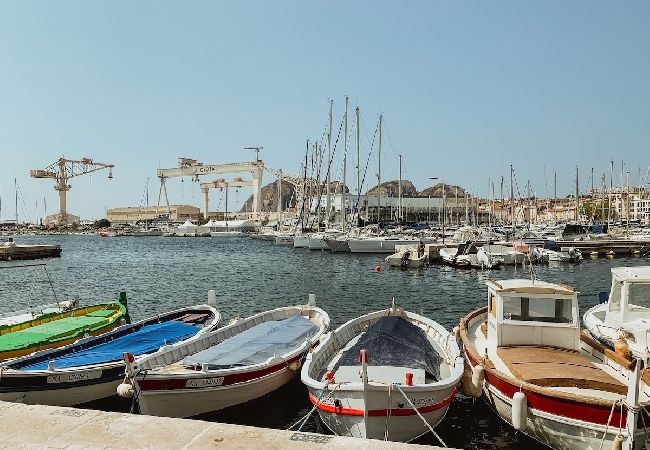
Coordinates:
(387, 375)
(232, 365)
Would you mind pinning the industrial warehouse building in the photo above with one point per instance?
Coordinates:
(135, 214)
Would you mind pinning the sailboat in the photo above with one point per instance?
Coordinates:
(146, 230)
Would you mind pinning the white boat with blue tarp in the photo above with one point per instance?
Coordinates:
(229, 366)
(93, 367)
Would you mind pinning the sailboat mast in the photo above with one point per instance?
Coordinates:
(381, 119)
(577, 196)
(358, 162)
(512, 200)
(609, 197)
(16, 191)
(344, 206)
(329, 162)
(399, 191)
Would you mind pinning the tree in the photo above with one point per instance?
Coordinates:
(101, 223)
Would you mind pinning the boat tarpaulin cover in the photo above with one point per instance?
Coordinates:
(256, 344)
(147, 339)
(396, 342)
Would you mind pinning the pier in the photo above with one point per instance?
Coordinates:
(11, 251)
(60, 427)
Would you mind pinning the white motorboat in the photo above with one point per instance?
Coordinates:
(226, 367)
(25, 315)
(407, 257)
(145, 232)
(382, 375)
(523, 354)
(93, 367)
(624, 318)
(505, 253)
(451, 257)
(468, 255)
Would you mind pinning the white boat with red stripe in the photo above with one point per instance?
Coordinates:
(524, 356)
(396, 394)
(232, 365)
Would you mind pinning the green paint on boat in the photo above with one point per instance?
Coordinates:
(58, 329)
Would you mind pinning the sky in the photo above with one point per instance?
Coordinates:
(466, 88)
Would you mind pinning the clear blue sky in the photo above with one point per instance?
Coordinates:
(466, 88)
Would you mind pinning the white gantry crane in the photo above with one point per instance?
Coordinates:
(61, 171)
(192, 168)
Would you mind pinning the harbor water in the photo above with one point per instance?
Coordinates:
(249, 276)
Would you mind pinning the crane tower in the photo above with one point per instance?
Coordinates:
(64, 169)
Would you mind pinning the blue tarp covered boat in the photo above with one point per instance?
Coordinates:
(93, 367)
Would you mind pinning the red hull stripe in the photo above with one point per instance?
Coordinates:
(557, 406)
(234, 378)
(383, 412)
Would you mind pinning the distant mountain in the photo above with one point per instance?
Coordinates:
(450, 191)
(390, 189)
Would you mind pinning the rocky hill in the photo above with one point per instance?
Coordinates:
(390, 189)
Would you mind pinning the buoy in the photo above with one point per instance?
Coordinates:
(618, 443)
(621, 347)
(377, 268)
(125, 390)
(519, 410)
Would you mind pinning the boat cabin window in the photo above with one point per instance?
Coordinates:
(638, 296)
(537, 309)
(492, 305)
(615, 296)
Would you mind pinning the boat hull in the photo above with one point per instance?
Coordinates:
(398, 423)
(192, 402)
(301, 242)
(338, 245)
(378, 245)
(317, 243)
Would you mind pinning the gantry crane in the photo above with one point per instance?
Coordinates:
(64, 169)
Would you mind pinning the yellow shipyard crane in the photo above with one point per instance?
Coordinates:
(61, 171)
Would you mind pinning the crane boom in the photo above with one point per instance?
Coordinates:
(64, 169)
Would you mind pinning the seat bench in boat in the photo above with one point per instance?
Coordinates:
(557, 367)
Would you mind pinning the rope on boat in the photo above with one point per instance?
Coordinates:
(303, 420)
(611, 413)
(420, 416)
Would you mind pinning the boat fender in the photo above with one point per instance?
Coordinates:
(478, 377)
(125, 390)
(295, 366)
(467, 385)
(409, 379)
(519, 410)
(617, 444)
(456, 332)
(330, 377)
(377, 268)
(621, 347)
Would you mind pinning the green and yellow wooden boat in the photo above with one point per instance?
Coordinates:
(59, 329)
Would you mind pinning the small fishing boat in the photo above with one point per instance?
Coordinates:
(92, 368)
(59, 329)
(408, 257)
(34, 312)
(524, 356)
(388, 375)
(226, 367)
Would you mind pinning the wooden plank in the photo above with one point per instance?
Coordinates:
(609, 353)
(556, 367)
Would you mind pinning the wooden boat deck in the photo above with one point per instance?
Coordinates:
(557, 367)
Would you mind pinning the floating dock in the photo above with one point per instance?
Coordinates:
(37, 426)
(11, 251)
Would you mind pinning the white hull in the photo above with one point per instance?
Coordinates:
(557, 432)
(378, 245)
(227, 234)
(192, 402)
(317, 243)
(75, 395)
(398, 428)
(300, 241)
